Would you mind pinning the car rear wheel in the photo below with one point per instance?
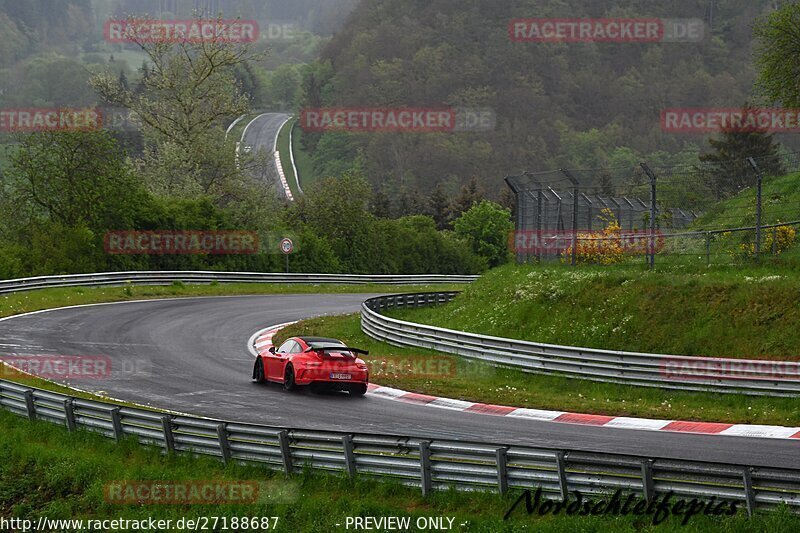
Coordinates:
(258, 371)
(360, 389)
(288, 379)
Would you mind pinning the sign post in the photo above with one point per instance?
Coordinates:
(287, 247)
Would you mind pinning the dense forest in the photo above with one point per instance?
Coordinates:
(574, 105)
(381, 202)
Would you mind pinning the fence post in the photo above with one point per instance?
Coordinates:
(224, 445)
(501, 455)
(169, 438)
(575, 191)
(652, 242)
(708, 248)
(286, 451)
(759, 180)
(425, 467)
(518, 198)
(539, 219)
(69, 414)
(29, 405)
(749, 492)
(349, 455)
(116, 423)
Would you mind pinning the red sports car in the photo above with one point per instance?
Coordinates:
(317, 361)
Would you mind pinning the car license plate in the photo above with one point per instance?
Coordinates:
(339, 375)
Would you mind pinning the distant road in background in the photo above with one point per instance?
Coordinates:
(261, 133)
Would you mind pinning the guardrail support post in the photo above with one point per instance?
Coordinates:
(501, 454)
(708, 248)
(286, 451)
(116, 423)
(169, 438)
(349, 455)
(425, 467)
(69, 414)
(648, 487)
(29, 405)
(224, 445)
(749, 492)
(562, 474)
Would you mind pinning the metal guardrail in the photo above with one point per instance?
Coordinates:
(771, 378)
(168, 277)
(428, 463)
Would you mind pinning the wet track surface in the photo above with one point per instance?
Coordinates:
(191, 355)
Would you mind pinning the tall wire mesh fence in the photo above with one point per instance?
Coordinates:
(714, 211)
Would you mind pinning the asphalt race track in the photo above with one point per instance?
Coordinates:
(190, 355)
(261, 133)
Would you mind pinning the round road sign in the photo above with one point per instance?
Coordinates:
(287, 246)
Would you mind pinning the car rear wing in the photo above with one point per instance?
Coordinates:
(335, 348)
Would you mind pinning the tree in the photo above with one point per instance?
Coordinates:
(727, 170)
(486, 227)
(182, 105)
(439, 207)
(471, 193)
(75, 178)
(380, 206)
(409, 202)
(778, 55)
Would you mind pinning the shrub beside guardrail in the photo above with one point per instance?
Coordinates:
(628, 368)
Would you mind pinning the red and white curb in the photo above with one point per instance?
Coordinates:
(282, 177)
(261, 341)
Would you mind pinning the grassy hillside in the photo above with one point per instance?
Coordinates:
(725, 312)
(780, 204)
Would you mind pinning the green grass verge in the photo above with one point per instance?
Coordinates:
(303, 161)
(47, 472)
(721, 312)
(450, 376)
(286, 158)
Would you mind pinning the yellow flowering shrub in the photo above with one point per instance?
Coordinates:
(608, 247)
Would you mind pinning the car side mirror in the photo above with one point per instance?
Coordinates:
(272, 349)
